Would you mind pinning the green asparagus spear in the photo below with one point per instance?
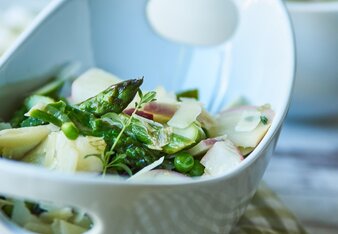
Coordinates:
(114, 99)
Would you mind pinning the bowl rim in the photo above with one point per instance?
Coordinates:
(88, 179)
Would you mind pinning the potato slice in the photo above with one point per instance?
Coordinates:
(57, 152)
(21, 214)
(63, 227)
(44, 154)
(228, 123)
(89, 146)
(16, 142)
(66, 154)
(221, 157)
(91, 83)
(38, 227)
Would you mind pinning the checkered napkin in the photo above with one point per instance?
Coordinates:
(266, 214)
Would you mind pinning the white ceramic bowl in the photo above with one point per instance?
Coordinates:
(257, 62)
(316, 31)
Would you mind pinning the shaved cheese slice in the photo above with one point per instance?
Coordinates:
(186, 114)
(91, 83)
(248, 121)
(148, 168)
(162, 175)
(222, 157)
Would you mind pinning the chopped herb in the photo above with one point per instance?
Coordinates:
(264, 120)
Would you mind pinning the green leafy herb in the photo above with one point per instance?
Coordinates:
(264, 120)
(116, 162)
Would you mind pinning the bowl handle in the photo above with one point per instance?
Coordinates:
(95, 197)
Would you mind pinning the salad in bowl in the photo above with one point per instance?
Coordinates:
(110, 126)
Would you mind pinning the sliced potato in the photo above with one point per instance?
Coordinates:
(57, 152)
(63, 213)
(21, 214)
(44, 154)
(16, 142)
(38, 227)
(66, 154)
(221, 157)
(229, 120)
(89, 146)
(63, 227)
(91, 83)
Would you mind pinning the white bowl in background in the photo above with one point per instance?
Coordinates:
(258, 62)
(316, 31)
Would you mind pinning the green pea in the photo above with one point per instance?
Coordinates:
(197, 169)
(183, 162)
(70, 130)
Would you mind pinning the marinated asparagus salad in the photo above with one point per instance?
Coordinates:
(109, 126)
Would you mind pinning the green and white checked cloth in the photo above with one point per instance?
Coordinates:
(266, 214)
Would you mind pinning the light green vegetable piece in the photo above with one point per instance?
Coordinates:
(183, 138)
